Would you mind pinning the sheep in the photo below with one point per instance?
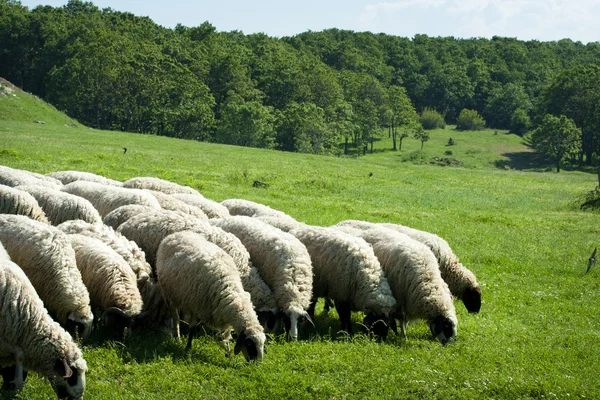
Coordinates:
(347, 271)
(45, 255)
(16, 177)
(158, 184)
(106, 198)
(150, 228)
(67, 177)
(116, 217)
(414, 277)
(19, 202)
(110, 281)
(282, 261)
(285, 224)
(128, 249)
(211, 208)
(251, 209)
(461, 281)
(168, 202)
(201, 281)
(60, 206)
(31, 340)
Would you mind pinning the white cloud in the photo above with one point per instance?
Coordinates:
(524, 19)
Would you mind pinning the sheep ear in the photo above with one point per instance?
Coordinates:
(62, 368)
(239, 344)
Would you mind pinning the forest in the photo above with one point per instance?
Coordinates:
(317, 92)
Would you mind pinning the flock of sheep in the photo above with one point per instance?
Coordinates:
(78, 249)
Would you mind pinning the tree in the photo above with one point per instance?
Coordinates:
(470, 120)
(503, 103)
(422, 135)
(247, 124)
(557, 137)
(402, 114)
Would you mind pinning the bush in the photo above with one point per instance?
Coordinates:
(431, 119)
(520, 122)
(470, 120)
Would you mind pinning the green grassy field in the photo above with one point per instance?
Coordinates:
(509, 220)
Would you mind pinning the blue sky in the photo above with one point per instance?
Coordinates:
(542, 20)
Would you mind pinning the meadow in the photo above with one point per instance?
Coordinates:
(509, 218)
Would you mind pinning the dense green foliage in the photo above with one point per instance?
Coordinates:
(307, 93)
(514, 226)
(431, 119)
(557, 137)
(470, 120)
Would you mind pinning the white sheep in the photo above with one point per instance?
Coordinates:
(282, 261)
(106, 198)
(45, 255)
(31, 340)
(150, 228)
(211, 208)
(116, 217)
(251, 208)
(201, 282)
(67, 177)
(286, 224)
(3, 254)
(414, 277)
(16, 177)
(60, 206)
(19, 202)
(110, 281)
(347, 271)
(461, 281)
(169, 202)
(158, 184)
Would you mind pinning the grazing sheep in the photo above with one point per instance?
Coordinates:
(285, 224)
(347, 271)
(461, 281)
(126, 248)
(168, 202)
(17, 177)
(60, 206)
(31, 341)
(116, 217)
(282, 261)
(251, 209)
(110, 281)
(18, 202)
(67, 177)
(414, 276)
(158, 184)
(201, 281)
(45, 255)
(106, 198)
(150, 228)
(210, 207)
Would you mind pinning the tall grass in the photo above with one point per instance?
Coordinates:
(516, 227)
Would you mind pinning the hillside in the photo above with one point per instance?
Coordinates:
(17, 105)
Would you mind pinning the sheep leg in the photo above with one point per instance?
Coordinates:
(403, 324)
(311, 307)
(175, 316)
(225, 338)
(193, 326)
(343, 310)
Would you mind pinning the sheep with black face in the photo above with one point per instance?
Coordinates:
(201, 283)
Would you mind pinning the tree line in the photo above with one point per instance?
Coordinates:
(325, 92)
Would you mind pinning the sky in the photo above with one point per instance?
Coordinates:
(543, 20)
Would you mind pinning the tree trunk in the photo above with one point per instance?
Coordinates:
(346, 146)
(394, 136)
(422, 143)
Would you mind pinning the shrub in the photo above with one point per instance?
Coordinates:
(520, 122)
(431, 119)
(470, 120)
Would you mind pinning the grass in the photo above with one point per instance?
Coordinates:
(516, 227)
